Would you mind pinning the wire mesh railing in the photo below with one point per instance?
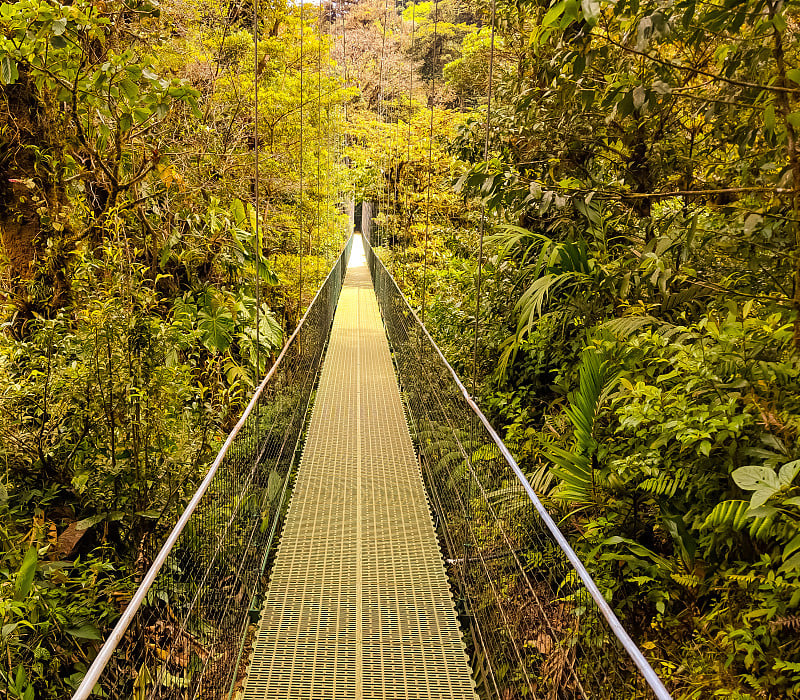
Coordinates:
(184, 632)
(536, 623)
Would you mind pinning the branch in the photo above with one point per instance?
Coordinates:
(698, 71)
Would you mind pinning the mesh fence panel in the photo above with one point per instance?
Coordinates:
(188, 639)
(532, 626)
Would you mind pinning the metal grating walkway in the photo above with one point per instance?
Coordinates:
(358, 604)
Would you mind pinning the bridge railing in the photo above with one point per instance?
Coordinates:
(536, 623)
(183, 633)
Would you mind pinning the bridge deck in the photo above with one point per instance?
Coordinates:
(358, 604)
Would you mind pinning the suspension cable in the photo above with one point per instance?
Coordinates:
(319, 134)
(381, 115)
(300, 155)
(256, 149)
(396, 154)
(410, 182)
(344, 141)
(430, 159)
(483, 205)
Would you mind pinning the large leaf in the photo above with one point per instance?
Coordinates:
(86, 631)
(216, 327)
(763, 481)
(25, 574)
(754, 478)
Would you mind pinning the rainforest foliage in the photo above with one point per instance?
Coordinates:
(140, 302)
(638, 317)
(639, 312)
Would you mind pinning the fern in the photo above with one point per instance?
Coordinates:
(665, 484)
(730, 514)
(791, 622)
(687, 580)
(574, 466)
(628, 325)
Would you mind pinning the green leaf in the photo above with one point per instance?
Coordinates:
(130, 89)
(216, 326)
(86, 631)
(570, 13)
(792, 547)
(794, 119)
(756, 478)
(140, 114)
(788, 472)
(792, 563)
(267, 274)
(591, 11)
(760, 497)
(761, 480)
(274, 486)
(143, 679)
(86, 523)
(769, 117)
(552, 15)
(8, 70)
(25, 574)
(150, 514)
(794, 75)
(731, 514)
(237, 209)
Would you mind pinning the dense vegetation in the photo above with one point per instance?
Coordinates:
(133, 282)
(639, 311)
(639, 325)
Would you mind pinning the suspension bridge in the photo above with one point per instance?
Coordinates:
(364, 533)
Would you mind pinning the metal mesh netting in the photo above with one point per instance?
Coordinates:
(533, 628)
(188, 638)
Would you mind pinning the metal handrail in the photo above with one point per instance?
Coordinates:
(651, 677)
(109, 646)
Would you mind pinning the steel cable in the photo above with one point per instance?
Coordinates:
(430, 158)
(483, 206)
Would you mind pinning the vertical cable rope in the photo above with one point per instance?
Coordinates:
(410, 183)
(381, 115)
(483, 206)
(256, 149)
(300, 205)
(343, 140)
(471, 486)
(430, 160)
(319, 134)
(396, 154)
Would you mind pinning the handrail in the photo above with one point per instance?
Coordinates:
(109, 646)
(651, 677)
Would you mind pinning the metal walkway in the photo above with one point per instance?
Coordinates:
(359, 604)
